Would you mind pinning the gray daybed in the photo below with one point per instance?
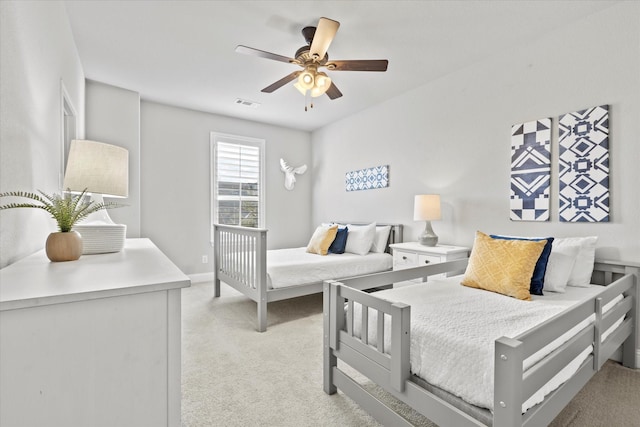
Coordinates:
(390, 368)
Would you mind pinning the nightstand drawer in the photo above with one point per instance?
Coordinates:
(428, 259)
(402, 260)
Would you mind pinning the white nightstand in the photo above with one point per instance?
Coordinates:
(413, 254)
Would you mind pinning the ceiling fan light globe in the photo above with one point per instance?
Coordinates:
(322, 80)
(300, 89)
(322, 84)
(316, 92)
(306, 80)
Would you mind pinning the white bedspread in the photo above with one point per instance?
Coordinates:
(294, 266)
(457, 356)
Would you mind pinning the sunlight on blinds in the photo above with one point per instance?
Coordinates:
(238, 184)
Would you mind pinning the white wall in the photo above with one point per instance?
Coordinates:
(113, 117)
(37, 51)
(452, 136)
(175, 182)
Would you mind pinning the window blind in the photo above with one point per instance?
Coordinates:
(237, 184)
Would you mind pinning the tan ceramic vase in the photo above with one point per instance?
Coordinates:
(65, 246)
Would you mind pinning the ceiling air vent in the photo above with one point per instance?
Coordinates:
(247, 103)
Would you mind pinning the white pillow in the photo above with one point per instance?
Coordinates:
(381, 239)
(583, 267)
(360, 238)
(561, 261)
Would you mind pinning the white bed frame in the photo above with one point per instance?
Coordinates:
(240, 255)
(390, 370)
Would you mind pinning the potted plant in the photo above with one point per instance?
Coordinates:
(67, 209)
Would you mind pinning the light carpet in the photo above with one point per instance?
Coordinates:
(235, 376)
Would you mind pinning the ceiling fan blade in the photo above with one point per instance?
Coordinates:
(358, 65)
(325, 32)
(262, 54)
(283, 81)
(333, 92)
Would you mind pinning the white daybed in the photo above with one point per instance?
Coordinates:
(243, 262)
(380, 349)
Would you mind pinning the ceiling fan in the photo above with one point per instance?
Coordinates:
(312, 57)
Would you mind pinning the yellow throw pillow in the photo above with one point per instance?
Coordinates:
(502, 266)
(322, 239)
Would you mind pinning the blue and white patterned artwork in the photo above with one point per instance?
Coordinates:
(530, 170)
(366, 179)
(583, 165)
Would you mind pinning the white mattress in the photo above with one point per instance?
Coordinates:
(294, 266)
(457, 356)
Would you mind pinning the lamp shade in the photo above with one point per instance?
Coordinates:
(426, 207)
(98, 167)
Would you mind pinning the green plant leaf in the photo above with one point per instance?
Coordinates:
(67, 209)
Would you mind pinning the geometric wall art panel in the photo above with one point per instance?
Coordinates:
(366, 179)
(583, 165)
(530, 170)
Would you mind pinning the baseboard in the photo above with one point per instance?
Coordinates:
(201, 277)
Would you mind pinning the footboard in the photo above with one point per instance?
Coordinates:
(240, 260)
(385, 359)
(381, 358)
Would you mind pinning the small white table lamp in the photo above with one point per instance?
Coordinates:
(426, 207)
(103, 169)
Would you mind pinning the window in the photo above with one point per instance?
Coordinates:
(237, 180)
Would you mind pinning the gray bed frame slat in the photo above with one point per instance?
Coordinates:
(240, 261)
(541, 373)
(512, 385)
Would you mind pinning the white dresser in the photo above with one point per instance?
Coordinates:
(93, 342)
(413, 254)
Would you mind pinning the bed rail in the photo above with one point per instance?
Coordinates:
(389, 367)
(513, 385)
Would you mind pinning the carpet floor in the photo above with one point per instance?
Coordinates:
(235, 376)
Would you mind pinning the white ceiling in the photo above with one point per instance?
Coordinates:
(182, 52)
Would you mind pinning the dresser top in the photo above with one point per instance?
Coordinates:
(139, 267)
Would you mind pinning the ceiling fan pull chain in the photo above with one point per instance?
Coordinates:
(307, 98)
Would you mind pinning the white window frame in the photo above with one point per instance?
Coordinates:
(239, 140)
(68, 130)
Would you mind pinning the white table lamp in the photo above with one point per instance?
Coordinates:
(426, 207)
(103, 169)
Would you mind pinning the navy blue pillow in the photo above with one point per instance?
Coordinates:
(340, 242)
(537, 279)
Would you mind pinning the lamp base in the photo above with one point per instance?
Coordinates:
(428, 237)
(102, 238)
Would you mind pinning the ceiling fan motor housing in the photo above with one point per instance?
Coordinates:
(303, 55)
